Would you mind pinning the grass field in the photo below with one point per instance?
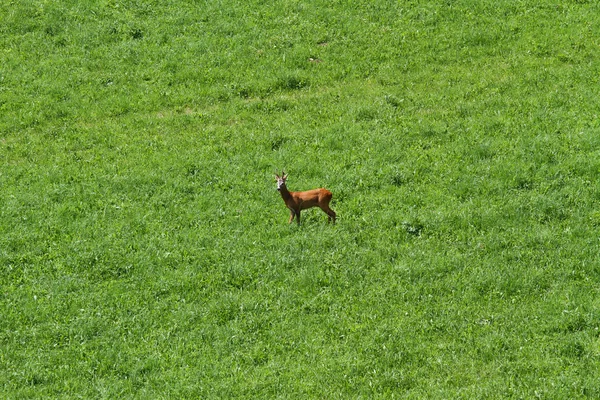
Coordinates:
(144, 250)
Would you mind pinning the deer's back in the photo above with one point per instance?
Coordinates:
(311, 198)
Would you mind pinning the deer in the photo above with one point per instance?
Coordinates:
(298, 201)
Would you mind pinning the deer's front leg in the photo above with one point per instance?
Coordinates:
(291, 216)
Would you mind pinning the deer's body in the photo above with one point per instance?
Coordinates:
(298, 201)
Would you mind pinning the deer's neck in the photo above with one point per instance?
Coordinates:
(285, 194)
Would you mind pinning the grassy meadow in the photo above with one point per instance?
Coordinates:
(144, 250)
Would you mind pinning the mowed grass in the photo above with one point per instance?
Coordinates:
(144, 250)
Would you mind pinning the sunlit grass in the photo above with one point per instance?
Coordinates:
(144, 250)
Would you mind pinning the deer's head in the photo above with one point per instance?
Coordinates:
(281, 180)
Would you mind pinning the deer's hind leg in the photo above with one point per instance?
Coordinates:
(330, 213)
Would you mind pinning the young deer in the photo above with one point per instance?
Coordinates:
(298, 201)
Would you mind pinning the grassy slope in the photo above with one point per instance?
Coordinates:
(144, 250)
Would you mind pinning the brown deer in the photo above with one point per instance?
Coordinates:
(298, 201)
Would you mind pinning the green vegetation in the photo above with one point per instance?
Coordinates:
(144, 250)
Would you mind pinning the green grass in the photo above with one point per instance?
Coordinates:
(144, 250)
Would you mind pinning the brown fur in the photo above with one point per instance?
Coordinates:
(298, 201)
